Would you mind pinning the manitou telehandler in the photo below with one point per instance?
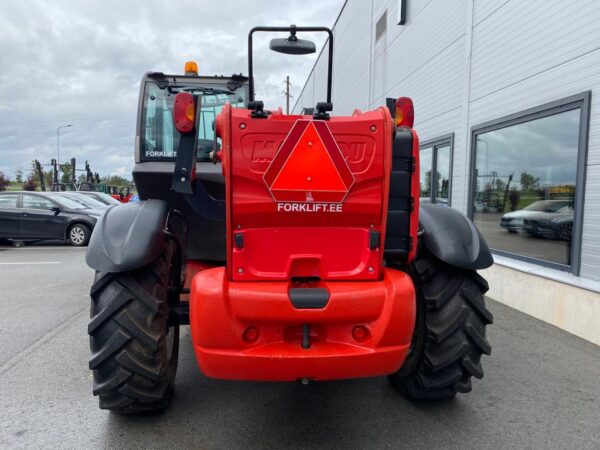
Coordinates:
(294, 246)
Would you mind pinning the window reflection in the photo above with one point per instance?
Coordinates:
(443, 175)
(524, 187)
(435, 173)
(425, 161)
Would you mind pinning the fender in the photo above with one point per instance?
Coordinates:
(453, 238)
(128, 236)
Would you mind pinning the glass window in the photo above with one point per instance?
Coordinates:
(37, 202)
(8, 201)
(159, 136)
(436, 170)
(426, 163)
(442, 181)
(525, 183)
(68, 203)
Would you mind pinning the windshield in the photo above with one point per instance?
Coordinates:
(159, 136)
(68, 203)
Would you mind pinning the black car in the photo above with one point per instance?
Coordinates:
(557, 226)
(38, 216)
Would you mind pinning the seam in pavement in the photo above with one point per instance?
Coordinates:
(13, 361)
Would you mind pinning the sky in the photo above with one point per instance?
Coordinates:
(80, 62)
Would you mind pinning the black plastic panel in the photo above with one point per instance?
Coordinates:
(398, 242)
(309, 298)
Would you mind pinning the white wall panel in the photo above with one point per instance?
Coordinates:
(574, 77)
(435, 87)
(523, 54)
(352, 37)
(356, 97)
(320, 76)
(590, 251)
(527, 38)
(307, 97)
(484, 9)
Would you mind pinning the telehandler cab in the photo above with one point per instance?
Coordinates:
(294, 246)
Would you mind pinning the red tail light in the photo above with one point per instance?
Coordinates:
(404, 112)
(184, 111)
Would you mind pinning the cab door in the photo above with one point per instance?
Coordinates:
(9, 216)
(39, 220)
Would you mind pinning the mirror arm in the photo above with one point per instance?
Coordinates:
(289, 29)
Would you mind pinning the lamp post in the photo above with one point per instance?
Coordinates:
(58, 142)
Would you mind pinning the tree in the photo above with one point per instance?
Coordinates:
(19, 175)
(529, 182)
(500, 185)
(115, 180)
(30, 184)
(66, 170)
(4, 181)
(49, 178)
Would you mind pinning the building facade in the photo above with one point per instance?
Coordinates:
(507, 107)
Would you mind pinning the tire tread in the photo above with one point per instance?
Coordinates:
(454, 323)
(128, 330)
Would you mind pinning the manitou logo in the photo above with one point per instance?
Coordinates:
(309, 172)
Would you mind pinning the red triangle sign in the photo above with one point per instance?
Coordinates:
(309, 166)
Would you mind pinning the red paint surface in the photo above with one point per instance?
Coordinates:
(331, 244)
(251, 331)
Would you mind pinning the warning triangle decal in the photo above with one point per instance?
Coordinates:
(309, 166)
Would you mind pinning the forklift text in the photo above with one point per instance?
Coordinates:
(310, 207)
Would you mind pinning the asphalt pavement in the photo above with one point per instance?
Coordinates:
(541, 388)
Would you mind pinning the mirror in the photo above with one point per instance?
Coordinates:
(56, 209)
(292, 46)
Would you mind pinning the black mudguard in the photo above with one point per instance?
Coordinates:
(128, 236)
(453, 238)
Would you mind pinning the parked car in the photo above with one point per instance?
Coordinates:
(101, 196)
(513, 221)
(39, 216)
(84, 200)
(558, 226)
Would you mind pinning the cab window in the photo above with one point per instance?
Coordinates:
(159, 136)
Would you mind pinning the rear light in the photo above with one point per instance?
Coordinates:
(184, 111)
(404, 112)
(191, 68)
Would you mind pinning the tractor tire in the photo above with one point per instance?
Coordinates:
(449, 336)
(134, 351)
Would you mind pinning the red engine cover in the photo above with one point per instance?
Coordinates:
(305, 198)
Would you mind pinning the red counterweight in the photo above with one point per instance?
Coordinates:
(306, 199)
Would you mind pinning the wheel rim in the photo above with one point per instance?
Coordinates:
(564, 233)
(77, 235)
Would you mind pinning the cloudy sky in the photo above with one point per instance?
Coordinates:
(80, 62)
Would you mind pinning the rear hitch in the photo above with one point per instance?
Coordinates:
(306, 336)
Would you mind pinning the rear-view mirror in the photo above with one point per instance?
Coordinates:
(292, 46)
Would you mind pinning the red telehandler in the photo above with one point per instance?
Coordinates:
(294, 247)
